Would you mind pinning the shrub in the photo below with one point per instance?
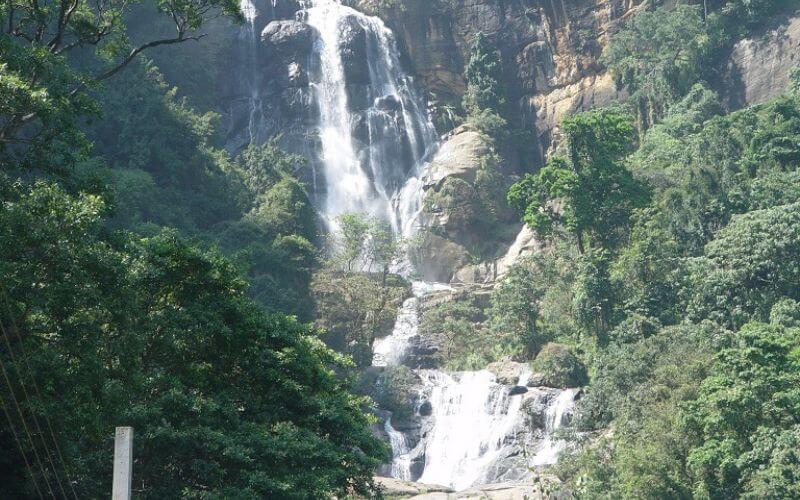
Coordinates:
(560, 366)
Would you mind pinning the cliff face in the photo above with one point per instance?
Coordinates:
(758, 67)
(550, 51)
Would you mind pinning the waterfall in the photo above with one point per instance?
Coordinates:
(391, 349)
(374, 130)
(474, 417)
(374, 137)
(401, 451)
(550, 447)
(250, 34)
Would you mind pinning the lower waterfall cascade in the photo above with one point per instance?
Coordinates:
(375, 137)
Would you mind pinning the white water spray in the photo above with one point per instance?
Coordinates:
(550, 447)
(475, 417)
(367, 178)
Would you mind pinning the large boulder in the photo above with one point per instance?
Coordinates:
(464, 215)
(507, 372)
(288, 38)
(436, 258)
(459, 156)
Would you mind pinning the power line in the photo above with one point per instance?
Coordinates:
(25, 426)
(47, 450)
(39, 395)
(19, 445)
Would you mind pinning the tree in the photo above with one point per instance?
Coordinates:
(227, 401)
(657, 56)
(484, 77)
(484, 98)
(588, 191)
(748, 267)
(43, 96)
(745, 418)
(355, 293)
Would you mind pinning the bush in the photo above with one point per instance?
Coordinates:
(392, 388)
(560, 366)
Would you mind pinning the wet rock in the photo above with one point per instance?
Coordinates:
(507, 372)
(288, 38)
(517, 390)
(425, 409)
(537, 380)
(353, 49)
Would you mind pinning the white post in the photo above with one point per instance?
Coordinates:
(123, 463)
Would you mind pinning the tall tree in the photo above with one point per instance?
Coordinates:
(43, 96)
(587, 191)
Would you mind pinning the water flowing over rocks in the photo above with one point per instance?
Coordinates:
(330, 79)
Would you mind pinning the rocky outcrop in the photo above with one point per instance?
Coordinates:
(392, 488)
(550, 51)
(463, 206)
(544, 487)
(758, 69)
(507, 372)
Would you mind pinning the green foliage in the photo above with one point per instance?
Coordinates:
(484, 76)
(356, 296)
(44, 96)
(658, 55)
(587, 192)
(163, 168)
(152, 332)
(456, 328)
(515, 306)
(748, 267)
(560, 366)
(639, 387)
(697, 411)
(393, 389)
(751, 392)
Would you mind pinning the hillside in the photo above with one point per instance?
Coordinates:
(402, 248)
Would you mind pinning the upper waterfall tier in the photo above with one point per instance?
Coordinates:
(374, 131)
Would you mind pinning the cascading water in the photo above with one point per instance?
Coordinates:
(550, 447)
(369, 153)
(250, 34)
(373, 138)
(474, 416)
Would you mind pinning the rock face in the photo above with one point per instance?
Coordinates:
(463, 206)
(550, 51)
(545, 487)
(758, 68)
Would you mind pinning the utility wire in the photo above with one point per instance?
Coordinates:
(25, 426)
(21, 448)
(41, 434)
(39, 395)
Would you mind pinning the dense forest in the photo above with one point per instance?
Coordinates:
(153, 275)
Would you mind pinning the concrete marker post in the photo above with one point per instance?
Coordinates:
(123, 463)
